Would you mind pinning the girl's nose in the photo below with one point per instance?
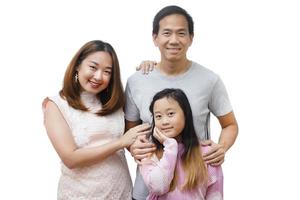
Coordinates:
(165, 120)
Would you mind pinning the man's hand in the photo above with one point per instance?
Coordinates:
(216, 155)
(141, 148)
(146, 66)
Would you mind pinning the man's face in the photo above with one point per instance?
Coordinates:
(173, 38)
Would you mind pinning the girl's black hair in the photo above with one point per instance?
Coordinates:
(188, 134)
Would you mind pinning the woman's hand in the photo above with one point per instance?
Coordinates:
(146, 66)
(131, 135)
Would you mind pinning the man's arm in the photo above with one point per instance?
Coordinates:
(227, 138)
(130, 124)
(141, 148)
(229, 130)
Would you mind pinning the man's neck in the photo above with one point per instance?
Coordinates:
(174, 68)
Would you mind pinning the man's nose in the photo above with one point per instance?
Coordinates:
(174, 38)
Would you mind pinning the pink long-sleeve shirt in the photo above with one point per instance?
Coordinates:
(158, 175)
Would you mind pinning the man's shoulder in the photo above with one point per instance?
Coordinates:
(203, 72)
(200, 68)
(138, 76)
(135, 75)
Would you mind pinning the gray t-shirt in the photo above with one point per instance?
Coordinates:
(204, 89)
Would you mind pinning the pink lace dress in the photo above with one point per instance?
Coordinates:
(109, 179)
(158, 175)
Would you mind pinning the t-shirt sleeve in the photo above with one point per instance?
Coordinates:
(131, 110)
(219, 103)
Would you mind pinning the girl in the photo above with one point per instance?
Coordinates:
(85, 123)
(176, 170)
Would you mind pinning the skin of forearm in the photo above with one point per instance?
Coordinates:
(228, 136)
(89, 156)
(129, 125)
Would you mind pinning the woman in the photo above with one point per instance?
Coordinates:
(85, 123)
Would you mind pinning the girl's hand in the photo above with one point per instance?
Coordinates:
(146, 66)
(159, 135)
(131, 135)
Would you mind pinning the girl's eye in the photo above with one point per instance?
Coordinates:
(92, 67)
(170, 114)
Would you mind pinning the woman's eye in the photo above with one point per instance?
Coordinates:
(92, 67)
(107, 72)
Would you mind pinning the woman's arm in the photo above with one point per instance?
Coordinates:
(63, 142)
(158, 175)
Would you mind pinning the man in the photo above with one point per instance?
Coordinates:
(173, 32)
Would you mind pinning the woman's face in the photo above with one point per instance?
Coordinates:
(94, 72)
(168, 117)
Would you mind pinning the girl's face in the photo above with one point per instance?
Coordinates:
(168, 117)
(95, 71)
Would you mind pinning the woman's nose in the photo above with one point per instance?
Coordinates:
(98, 75)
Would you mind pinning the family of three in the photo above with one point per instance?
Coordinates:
(162, 119)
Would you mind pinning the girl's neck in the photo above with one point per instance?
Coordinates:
(178, 138)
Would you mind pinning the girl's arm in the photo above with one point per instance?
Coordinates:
(215, 184)
(158, 175)
(63, 142)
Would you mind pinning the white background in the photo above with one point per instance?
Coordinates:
(253, 45)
